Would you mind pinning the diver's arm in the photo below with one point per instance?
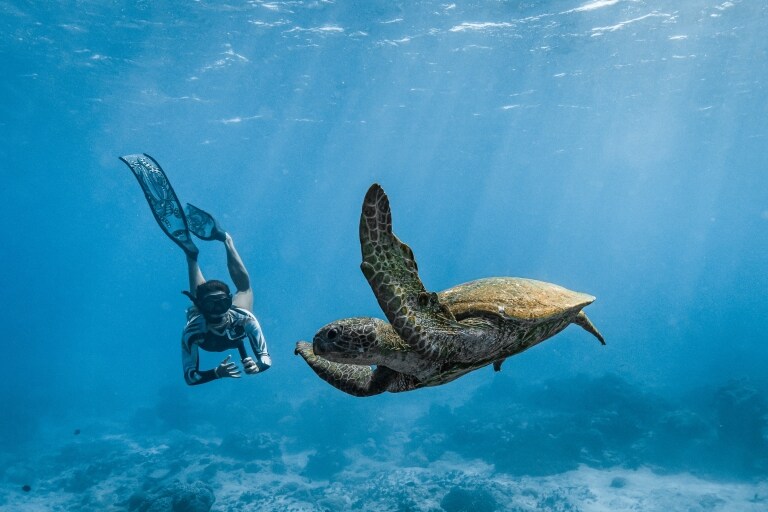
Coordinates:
(259, 347)
(256, 337)
(190, 360)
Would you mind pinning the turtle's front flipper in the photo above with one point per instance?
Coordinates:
(356, 380)
(417, 315)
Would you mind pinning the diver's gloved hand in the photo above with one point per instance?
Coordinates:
(249, 366)
(262, 364)
(227, 369)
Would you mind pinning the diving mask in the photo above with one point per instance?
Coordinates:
(215, 304)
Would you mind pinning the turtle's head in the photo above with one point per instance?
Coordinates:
(353, 340)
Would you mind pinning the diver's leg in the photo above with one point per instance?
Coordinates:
(195, 274)
(244, 296)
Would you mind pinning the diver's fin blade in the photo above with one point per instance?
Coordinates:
(162, 199)
(202, 224)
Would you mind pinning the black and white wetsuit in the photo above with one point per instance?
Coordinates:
(240, 324)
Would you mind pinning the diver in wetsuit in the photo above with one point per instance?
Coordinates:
(216, 321)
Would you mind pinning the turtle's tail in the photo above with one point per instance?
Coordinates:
(584, 322)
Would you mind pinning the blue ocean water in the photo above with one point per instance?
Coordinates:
(615, 147)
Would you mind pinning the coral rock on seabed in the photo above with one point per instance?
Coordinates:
(460, 499)
(176, 497)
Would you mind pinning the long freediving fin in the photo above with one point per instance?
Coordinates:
(162, 200)
(203, 225)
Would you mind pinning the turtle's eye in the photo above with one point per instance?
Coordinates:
(332, 333)
(423, 299)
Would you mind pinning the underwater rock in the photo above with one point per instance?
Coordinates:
(742, 412)
(176, 497)
(618, 482)
(602, 423)
(460, 499)
(742, 421)
(682, 424)
(679, 441)
(323, 464)
(711, 502)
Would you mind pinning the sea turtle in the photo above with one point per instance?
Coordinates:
(432, 338)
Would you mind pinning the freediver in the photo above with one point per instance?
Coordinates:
(216, 321)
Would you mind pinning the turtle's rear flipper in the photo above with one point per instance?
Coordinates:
(417, 316)
(584, 322)
(497, 364)
(162, 200)
(356, 380)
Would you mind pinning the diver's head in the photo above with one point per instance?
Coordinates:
(213, 300)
